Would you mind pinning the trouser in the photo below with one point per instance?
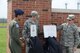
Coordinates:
(27, 49)
(34, 46)
(67, 49)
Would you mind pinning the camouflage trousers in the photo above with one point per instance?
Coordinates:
(67, 49)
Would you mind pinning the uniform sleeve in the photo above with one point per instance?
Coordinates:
(76, 37)
(15, 34)
(25, 30)
(59, 27)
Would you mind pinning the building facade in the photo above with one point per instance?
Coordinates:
(47, 15)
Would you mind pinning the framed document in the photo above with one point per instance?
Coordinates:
(33, 30)
(49, 31)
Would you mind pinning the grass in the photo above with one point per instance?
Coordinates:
(3, 40)
(3, 24)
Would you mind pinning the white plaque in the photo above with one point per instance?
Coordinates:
(50, 31)
(33, 30)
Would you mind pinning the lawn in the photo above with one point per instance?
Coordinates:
(3, 40)
(3, 24)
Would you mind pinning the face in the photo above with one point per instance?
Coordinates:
(71, 21)
(34, 18)
(19, 17)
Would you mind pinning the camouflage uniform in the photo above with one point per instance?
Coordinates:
(70, 37)
(26, 30)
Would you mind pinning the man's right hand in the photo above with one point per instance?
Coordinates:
(22, 44)
(74, 49)
(27, 39)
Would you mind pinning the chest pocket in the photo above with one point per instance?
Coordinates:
(68, 29)
(65, 28)
(72, 29)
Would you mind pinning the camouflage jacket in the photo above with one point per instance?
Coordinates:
(70, 35)
(26, 29)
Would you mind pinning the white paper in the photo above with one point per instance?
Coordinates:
(33, 30)
(50, 31)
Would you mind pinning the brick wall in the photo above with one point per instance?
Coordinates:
(58, 18)
(42, 6)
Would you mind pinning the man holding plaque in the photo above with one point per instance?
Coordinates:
(29, 33)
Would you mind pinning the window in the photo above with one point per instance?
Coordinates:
(25, 0)
(44, 9)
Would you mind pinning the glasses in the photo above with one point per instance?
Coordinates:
(71, 20)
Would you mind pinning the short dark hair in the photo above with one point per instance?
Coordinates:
(18, 12)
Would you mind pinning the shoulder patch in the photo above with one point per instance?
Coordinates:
(17, 25)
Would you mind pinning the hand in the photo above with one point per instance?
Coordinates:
(74, 49)
(22, 44)
(22, 39)
(27, 39)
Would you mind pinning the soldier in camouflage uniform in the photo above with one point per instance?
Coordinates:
(26, 30)
(70, 35)
(14, 40)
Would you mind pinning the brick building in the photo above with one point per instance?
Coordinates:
(42, 6)
(47, 15)
(58, 16)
